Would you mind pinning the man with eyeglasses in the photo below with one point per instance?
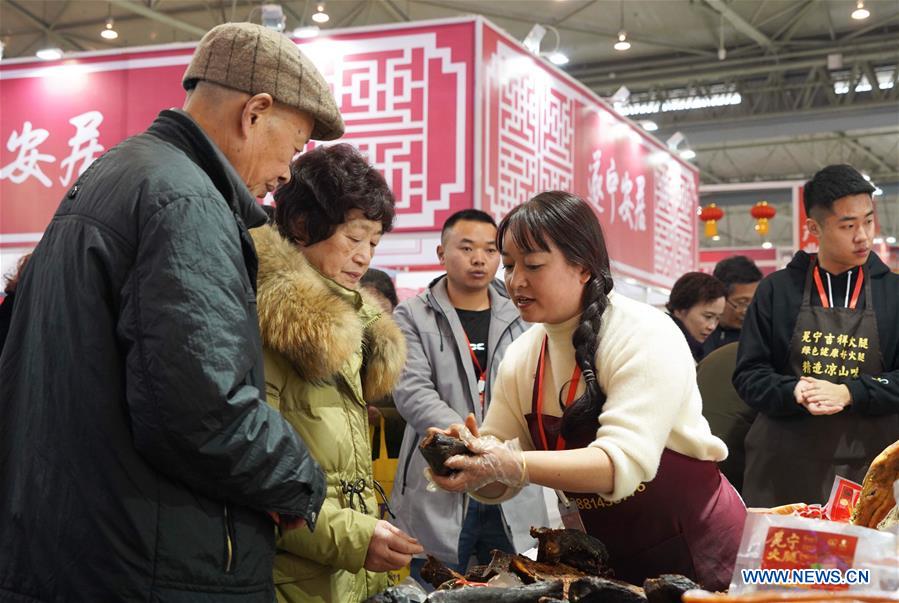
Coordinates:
(741, 277)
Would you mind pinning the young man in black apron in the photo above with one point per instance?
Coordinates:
(819, 353)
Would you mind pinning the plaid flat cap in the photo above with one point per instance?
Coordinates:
(254, 59)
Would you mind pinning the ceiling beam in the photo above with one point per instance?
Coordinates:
(741, 25)
(149, 13)
(348, 19)
(398, 13)
(567, 16)
(771, 142)
(587, 29)
(785, 33)
(58, 38)
(860, 148)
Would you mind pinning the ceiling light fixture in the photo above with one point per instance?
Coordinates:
(49, 53)
(109, 31)
(860, 13)
(767, 245)
(649, 125)
(622, 44)
(722, 51)
(320, 15)
(558, 58)
(688, 154)
(891, 240)
(533, 39)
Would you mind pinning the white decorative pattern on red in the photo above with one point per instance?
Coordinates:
(674, 219)
(383, 88)
(533, 144)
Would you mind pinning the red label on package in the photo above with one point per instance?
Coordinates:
(787, 548)
(843, 498)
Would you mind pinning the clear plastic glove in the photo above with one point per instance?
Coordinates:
(493, 462)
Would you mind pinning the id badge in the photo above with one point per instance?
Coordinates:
(571, 517)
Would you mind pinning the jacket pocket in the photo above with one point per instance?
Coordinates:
(230, 542)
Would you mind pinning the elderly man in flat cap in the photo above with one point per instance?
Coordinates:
(139, 460)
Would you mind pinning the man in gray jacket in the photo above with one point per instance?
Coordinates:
(457, 332)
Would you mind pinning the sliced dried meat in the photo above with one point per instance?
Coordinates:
(604, 590)
(534, 571)
(436, 573)
(532, 593)
(574, 548)
(667, 588)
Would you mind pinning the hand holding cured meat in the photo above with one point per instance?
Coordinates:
(492, 461)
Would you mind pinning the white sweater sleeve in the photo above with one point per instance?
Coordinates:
(647, 372)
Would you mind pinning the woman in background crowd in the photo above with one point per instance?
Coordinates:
(380, 286)
(601, 394)
(696, 304)
(328, 350)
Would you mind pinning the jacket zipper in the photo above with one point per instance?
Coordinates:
(407, 463)
(229, 543)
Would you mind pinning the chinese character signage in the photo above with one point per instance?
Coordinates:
(407, 94)
(836, 357)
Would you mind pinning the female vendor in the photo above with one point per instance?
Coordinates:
(601, 396)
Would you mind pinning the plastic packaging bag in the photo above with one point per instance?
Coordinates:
(786, 552)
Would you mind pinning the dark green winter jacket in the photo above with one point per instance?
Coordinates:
(138, 458)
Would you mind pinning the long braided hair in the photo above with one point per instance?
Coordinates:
(570, 224)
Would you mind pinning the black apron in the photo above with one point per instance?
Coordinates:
(794, 459)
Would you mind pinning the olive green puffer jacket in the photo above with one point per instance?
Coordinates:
(327, 351)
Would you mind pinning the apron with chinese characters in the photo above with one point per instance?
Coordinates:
(688, 520)
(794, 459)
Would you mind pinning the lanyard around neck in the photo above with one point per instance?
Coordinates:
(482, 373)
(572, 388)
(858, 288)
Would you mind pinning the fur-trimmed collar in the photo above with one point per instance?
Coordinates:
(303, 317)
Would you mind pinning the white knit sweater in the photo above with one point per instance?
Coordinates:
(645, 368)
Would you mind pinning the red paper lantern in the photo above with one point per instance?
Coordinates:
(710, 214)
(762, 212)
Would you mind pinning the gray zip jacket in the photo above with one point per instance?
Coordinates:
(436, 389)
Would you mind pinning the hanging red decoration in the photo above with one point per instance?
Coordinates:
(762, 212)
(710, 214)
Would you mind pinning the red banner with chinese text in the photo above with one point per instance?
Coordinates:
(543, 131)
(406, 96)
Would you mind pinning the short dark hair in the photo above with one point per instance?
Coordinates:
(325, 184)
(381, 282)
(471, 215)
(694, 288)
(832, 183)
(736, 270)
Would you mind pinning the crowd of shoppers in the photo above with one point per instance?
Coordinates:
(198, 427)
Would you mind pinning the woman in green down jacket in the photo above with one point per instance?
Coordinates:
(328, 350)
